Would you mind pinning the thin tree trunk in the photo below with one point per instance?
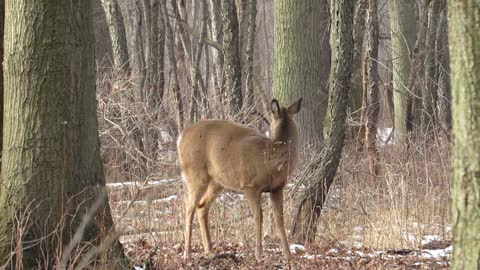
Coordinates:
(232, 81)
(444, 93)
(429, 94)
(356, 95)
(249, 94)
(52, 172)
(373, 100)
(116, 27)
(170, 43)
(217, 56)
(464, 33)
(403, 29)
(137, 51)
(305, 223)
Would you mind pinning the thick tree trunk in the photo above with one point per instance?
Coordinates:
(217, 56)
(2, 26)
(195, 68)
(232, 80)
(170, 44)
(302, 61)
(373, 100)
(417, 71)
(117, 36)
(325, 167)
(403, 28)
(464, 32)
(52, 172)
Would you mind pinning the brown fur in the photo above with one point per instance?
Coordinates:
(218, 154)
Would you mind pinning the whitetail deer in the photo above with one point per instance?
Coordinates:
(218, 154)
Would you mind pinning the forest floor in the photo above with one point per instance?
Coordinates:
(310, 257)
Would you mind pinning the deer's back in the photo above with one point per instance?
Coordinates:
(229, 153)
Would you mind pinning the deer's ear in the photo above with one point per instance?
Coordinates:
(275, 107)
(295, 107)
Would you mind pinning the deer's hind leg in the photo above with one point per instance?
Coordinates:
(202, 213)
(196, 187)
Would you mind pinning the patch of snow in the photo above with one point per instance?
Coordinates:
(437, 253)
(383, 134)
(141, 184)
(430, 238)
(167, 199)
(138, 268)
(294, 247)
(332, 250)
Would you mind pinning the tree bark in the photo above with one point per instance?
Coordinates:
(356, 95)
(137, 50)
(249, 93)
(464, 33)
(217, 56)
(118, 38)
(429, 93)
(232, 80)
(325, 167)
(373, 100)
(52, 171)
(2, 27)
(170, 44)
(444, 92)
(195, 69)
(302, 62)
(403, 28)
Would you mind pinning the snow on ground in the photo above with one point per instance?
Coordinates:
(141, 184)
(295, 247)
(384, 135)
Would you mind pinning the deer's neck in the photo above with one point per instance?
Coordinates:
(287, 134)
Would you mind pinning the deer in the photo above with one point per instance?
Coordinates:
(218, 154)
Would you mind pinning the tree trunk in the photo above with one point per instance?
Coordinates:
(302, 61)
(356, 95)
(403, 28)
(195, 68)
(232, 80)
(2, 26)
(51, 162)
(117, 36)
(464, 32)
(170, 44)
(137, 50)
(373, 100)
(249, 94)
(429, 93)
(325, 167)
(217, 56)
(444, 96)
(417, 71)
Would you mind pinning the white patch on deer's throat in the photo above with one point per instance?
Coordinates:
(183, 176)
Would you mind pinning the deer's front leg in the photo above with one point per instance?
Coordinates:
(277, 204)
(254, 200)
